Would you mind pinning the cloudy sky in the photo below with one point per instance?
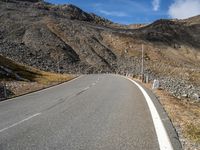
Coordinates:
(137, 11)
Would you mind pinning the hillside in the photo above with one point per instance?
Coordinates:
(64, 38)
(12, 71)
(32, 32)
(192, 21)
(19, 79)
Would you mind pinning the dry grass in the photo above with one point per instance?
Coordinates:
(32, 74)
(119, 44)
(193, 132)
(33, 79)
(195, 76)
(50, 78)
(166, 69)
(184, 115)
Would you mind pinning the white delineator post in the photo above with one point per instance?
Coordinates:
(156, 84)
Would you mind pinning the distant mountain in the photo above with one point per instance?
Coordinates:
(67, 39)
(172, 32)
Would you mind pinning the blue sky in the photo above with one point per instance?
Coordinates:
(137, 11)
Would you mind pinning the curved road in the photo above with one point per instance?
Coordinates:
(93, 112)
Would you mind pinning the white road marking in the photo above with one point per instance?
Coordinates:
(74, 79)
(15, 124)
(163, 138)
(85, 89)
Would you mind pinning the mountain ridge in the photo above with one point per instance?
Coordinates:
(33, 32)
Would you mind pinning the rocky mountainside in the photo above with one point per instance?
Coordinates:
(191, 21)
(41, 35)
(172, 33)
(67, 39)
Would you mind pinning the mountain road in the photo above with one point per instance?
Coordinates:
(91, 112)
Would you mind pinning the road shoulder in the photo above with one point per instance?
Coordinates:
(173, 136)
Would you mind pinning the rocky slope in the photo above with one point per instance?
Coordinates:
(64, 38)
(33, 32)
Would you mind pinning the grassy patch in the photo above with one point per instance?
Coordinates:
(32, 74)
(193, 132)
(50, 78)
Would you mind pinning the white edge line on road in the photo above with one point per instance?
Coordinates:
(85, 89)
(163, 138)
(74, 79)
(17, 123)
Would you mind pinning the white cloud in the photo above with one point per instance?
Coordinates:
(183, 9)
(113, 13)
(156, 4)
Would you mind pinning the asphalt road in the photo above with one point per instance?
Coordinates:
(94, 112)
